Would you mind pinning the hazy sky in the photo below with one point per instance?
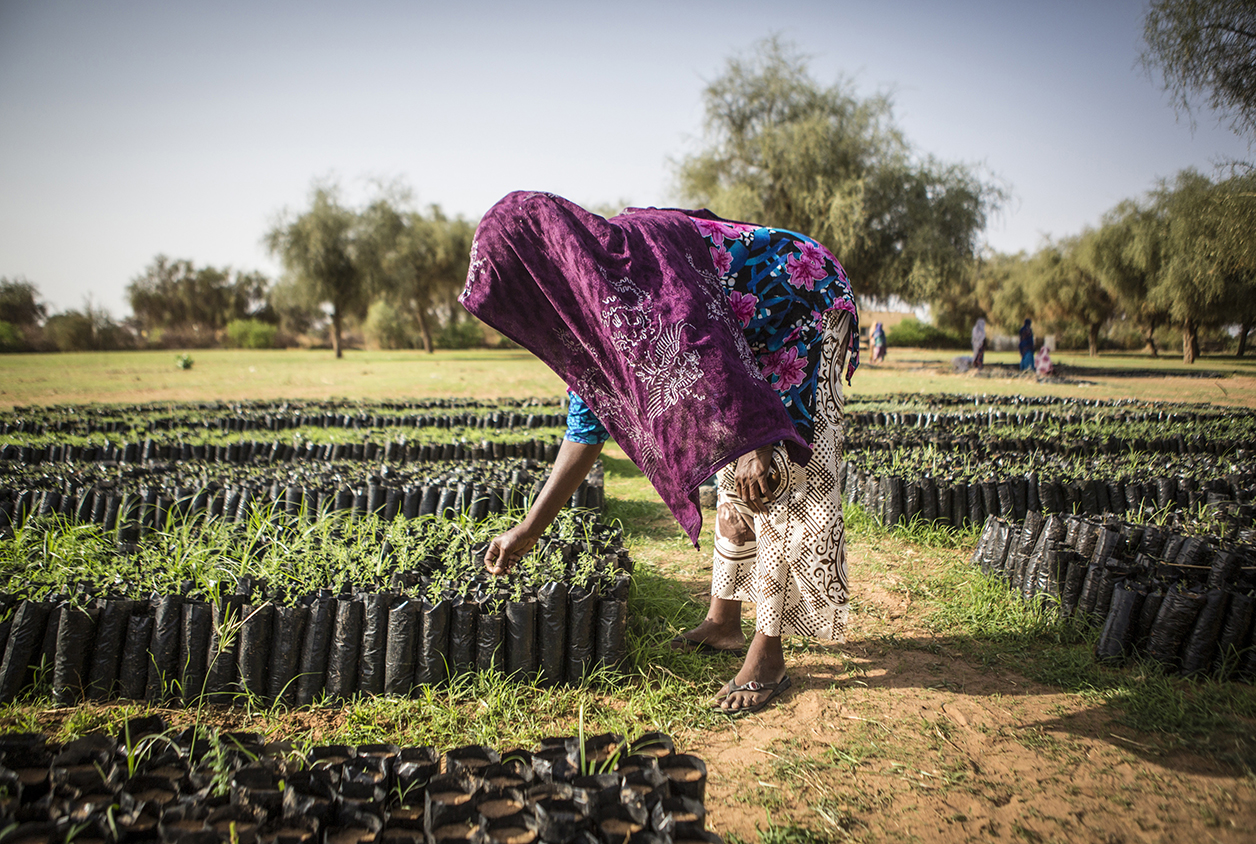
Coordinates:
(137, 128)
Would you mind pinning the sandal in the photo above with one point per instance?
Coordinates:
(774, 691)
(683, 644)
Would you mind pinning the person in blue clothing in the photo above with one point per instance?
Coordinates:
(1026, 347)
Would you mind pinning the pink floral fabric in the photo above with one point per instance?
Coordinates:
(780, 285)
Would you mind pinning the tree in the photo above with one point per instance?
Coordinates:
(19, 302)
(91, 329)
(21, 312)
(195, 303)
(320, 250)
(414, 260)
(1070, 292)
(1014, 291)
(291, 309)
(1126, 253)
(71, 331)
(974, 295)
(790, 152)
(1206, 49)
(453, 258)
(1208, 265)
(1236, 207)
(1055, 287)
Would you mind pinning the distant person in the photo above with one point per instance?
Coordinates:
(1042, 362)
(979, 344)
(878, 343)
(1026, 347)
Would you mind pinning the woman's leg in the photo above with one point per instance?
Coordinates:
(732, 569)
(800, 585)
(722, 626)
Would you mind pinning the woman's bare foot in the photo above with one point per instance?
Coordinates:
(721, 629)
(719, 637)
(765, 663)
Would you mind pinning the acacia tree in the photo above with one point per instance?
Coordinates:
(974, 295)
(91, 328)
(320, 251)
(1236, 198)
(786, 150)
(1056, 287)
(1205, 245)
(452, 261)
(416, 260)
(1013, 285)
(19, 302)
(20, 314)
(1071, 292)
(1126, 253)
(1233, 213)
(1206, 49)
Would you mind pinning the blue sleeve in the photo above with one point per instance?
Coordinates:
(582, 425)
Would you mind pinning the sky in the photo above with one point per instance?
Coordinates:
(132, 129)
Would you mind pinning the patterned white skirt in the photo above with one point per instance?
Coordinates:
(791, 560)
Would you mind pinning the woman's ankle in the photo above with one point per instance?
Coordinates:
(711, 629)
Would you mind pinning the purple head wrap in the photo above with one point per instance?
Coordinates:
(630, 313)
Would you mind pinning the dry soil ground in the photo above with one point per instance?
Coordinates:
(908, 733)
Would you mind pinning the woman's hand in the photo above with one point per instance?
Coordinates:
(507, 549)
(572, 466)
(753, 479)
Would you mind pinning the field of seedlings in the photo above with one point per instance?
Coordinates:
(268, 621)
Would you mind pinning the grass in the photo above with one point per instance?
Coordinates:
(787, 834)
(241, 374)
(979, 615)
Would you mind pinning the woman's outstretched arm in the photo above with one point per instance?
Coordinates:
(572, 466)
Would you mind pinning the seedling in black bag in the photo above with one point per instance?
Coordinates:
(401, 791)
(222, 765)
(140, 748)
(585, 570)
(607, 750)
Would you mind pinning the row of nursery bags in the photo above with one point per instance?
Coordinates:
(1186, 602)
(145, 785)
(172, 648)
(152, 507)
(894, 500)
(272, 420)
(249, 452)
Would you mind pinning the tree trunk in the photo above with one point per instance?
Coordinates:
(1244, 329)
(455, 307)
(1092, 336)
(1151, 342)
(1190, 341)
(335, 331)
(424, 329)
